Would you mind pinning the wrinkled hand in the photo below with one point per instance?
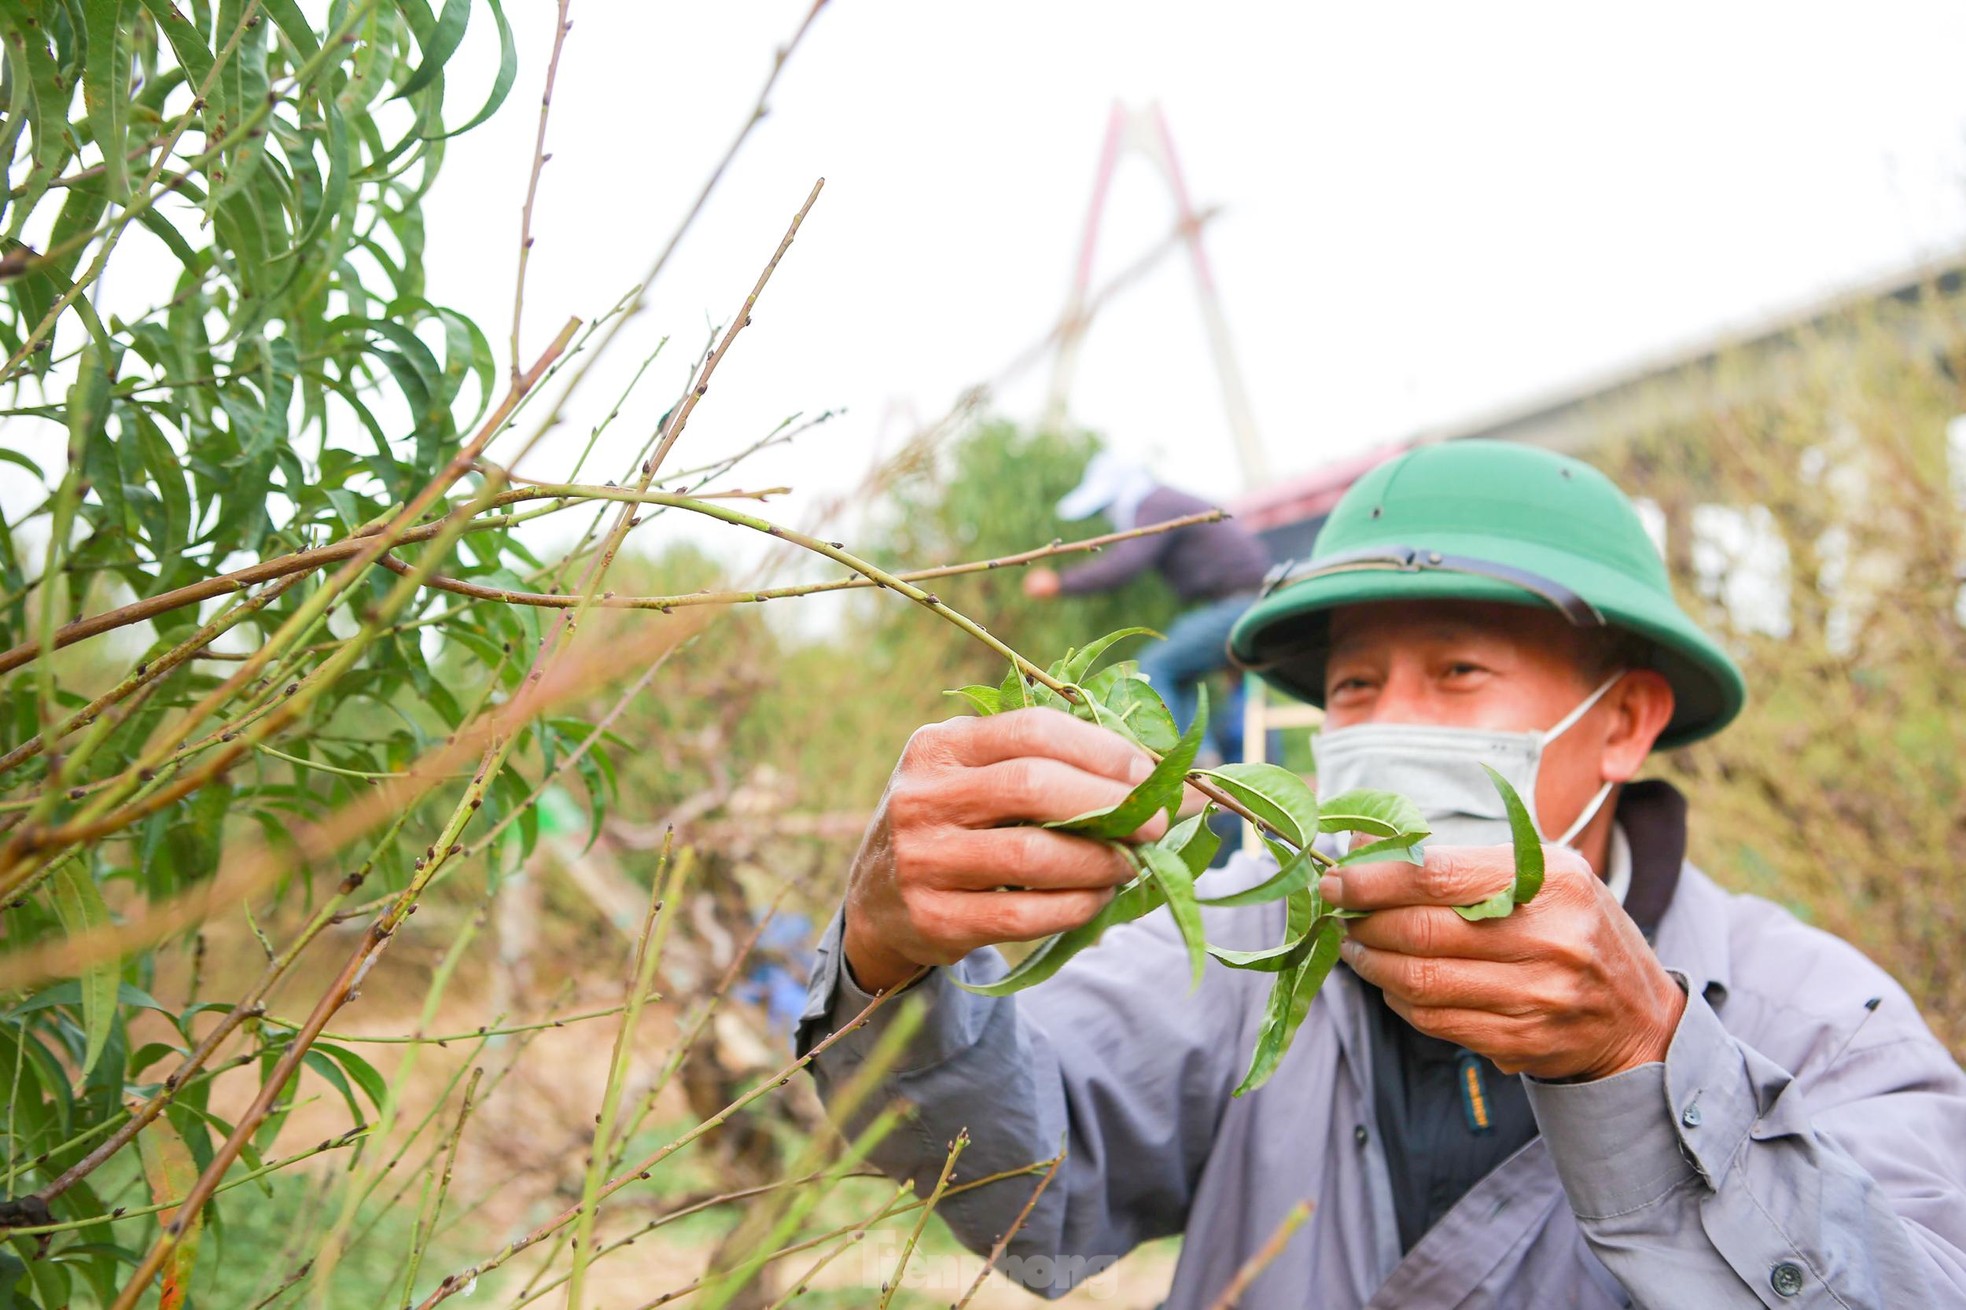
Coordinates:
(940, 872)
(1041, 583)
(1564, 987)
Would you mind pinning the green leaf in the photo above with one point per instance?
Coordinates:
(37, 1086)
(1142, 715)
(1388, 848)
(15, 457)
(335, 192)
(46, 96)
(1018, 694)
(50, 1279)
(1103, 684)
(293, 25)
(467, 352)
(1527, 841)
(162, 228)
(987, 700)
(1305, 908)
(106, 90)
(1528, 846)
(1275, 795)
(12, 1270)
(152, 1052)
(186, 43)
(1194, 841)
(71, 993)
(1177, 884)
(1139, 897)
(79, 906)
(508, 71)
(1293, 874)
(166, 471)
(1014, 693)
(318, 1061)
(1499, 906)
(1161, 790)
(1077, 664)
(438, 45)
(1274, 959)
(242, 87)
(1377, 813)
(373, 1084)
(1290, 1000)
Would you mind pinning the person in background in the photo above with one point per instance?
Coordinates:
(1215, 569)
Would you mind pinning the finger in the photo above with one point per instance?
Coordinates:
(1477, 1030)
(981, 859)
(1030, 789)
(1052, 734)
(1431, 930)
(980, 918)
(1452, 875)
(1427, 982)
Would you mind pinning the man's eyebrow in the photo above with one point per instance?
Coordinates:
(1443, 632)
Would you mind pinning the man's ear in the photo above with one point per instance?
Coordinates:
(1641, 706)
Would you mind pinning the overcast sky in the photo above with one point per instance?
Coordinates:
(1429, 209)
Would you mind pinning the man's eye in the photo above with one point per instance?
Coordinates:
(1463, 669)
(1347, 686)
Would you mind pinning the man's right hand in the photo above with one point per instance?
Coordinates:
(953, 859)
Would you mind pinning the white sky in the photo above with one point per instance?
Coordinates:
(1430, 209)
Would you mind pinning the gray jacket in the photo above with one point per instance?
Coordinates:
(1803, 1144)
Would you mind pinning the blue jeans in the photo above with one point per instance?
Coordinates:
(1196, 646)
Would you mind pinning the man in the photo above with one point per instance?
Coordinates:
(1215, 568)
(1636, 1089)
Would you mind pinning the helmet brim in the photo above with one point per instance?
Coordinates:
(1283, 637)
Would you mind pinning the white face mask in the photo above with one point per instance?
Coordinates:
(1439, 768)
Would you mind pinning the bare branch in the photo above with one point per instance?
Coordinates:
(561, 26)
(1232, 1294)
(639, 296)
(1003, 1241)
(607, 600)
(457, 1282)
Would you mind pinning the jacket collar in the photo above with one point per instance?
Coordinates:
(1652, 815)
(1680, 910)
(1692, 937)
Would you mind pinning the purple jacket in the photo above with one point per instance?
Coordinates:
(1206, 562)
(1802, 1144)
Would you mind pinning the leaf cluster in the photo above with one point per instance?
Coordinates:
(291, 382)
(293, 385)
(1291, 823)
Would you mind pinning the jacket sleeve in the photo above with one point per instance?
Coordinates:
(1719, 1178)
(1133, 1092)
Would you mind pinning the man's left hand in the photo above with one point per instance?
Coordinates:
(1565, 987)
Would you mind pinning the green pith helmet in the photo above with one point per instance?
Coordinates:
(1490, 521)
